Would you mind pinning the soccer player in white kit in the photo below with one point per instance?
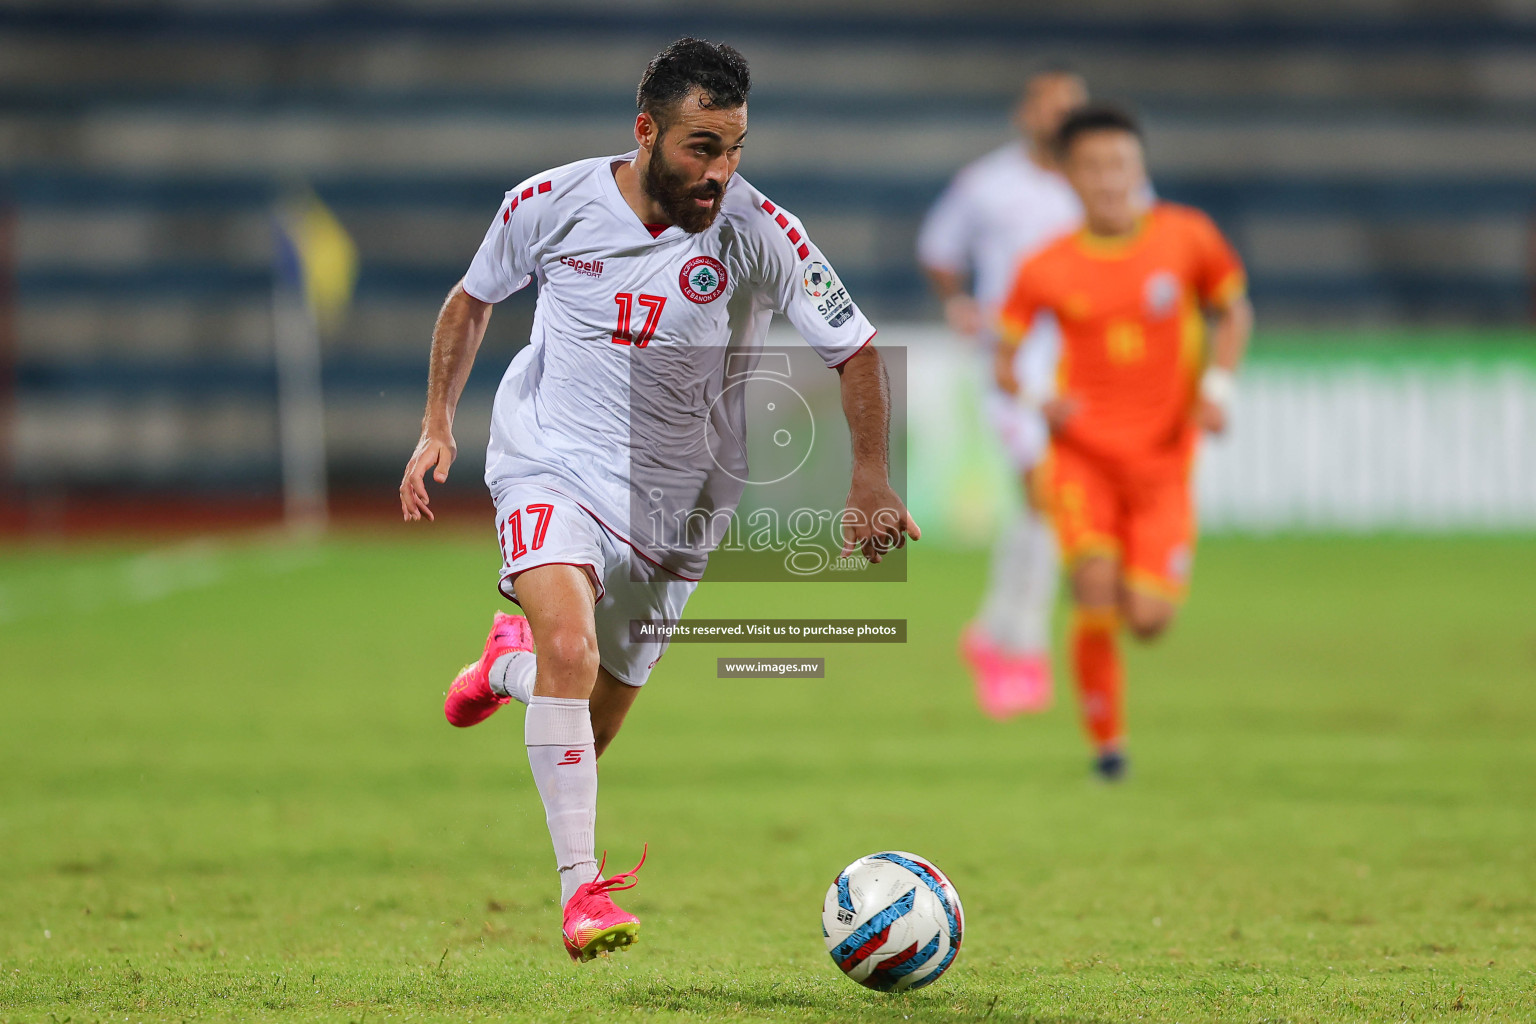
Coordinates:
(653, 267)
(999, 210)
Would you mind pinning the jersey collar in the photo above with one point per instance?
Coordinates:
(1113, 247)
(621, 208)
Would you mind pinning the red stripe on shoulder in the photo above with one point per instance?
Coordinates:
(528, 192)
(506, 215)
(796, 239)
(545, 186)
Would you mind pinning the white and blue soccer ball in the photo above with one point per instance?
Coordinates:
(892, 921)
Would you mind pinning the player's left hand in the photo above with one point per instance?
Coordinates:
(1211, 416)
(875, 520)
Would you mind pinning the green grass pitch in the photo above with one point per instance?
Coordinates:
(227, 792)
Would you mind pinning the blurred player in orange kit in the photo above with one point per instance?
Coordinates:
(1131, 291)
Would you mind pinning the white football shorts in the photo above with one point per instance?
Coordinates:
(536, 526)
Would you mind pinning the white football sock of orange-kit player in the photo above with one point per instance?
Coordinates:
(561, 752)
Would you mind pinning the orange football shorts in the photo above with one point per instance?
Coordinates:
(1142, 514)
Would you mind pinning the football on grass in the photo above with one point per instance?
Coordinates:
(892, 921)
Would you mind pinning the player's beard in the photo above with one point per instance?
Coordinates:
(664, 184)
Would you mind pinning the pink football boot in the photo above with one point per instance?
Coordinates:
(985, 662)
(1006, 684)
(1032, 689)
(471, 699)
(593, 924)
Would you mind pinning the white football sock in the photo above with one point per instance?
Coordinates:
(558, 732)
(574, 878)
(1022, 589)
(512, 675)
(1041, 584)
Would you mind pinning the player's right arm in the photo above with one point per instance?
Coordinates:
(456, 338)
(1016, 318)
(502, 265)
(960, 309)
(943, 249)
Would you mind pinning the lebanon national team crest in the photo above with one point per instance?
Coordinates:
(702, 279)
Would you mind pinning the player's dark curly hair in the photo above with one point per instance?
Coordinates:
(718, 69)
(1095, 117)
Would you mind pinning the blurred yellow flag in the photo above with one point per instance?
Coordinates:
(317, 256)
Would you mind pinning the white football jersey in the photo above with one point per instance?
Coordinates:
(613, 403)
(998, 211)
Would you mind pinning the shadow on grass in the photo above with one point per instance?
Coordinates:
(789, 1000)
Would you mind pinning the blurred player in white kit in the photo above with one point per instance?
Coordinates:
(653, 267)
(998, 211)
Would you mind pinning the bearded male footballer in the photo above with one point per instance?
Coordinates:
(655, 268)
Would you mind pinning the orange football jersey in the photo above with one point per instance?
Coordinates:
(1132, 318)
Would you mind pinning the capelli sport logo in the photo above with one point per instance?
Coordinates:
(572, 756)
(592, 268)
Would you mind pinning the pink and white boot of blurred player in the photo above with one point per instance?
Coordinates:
(471, 699)
(1006, 684)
